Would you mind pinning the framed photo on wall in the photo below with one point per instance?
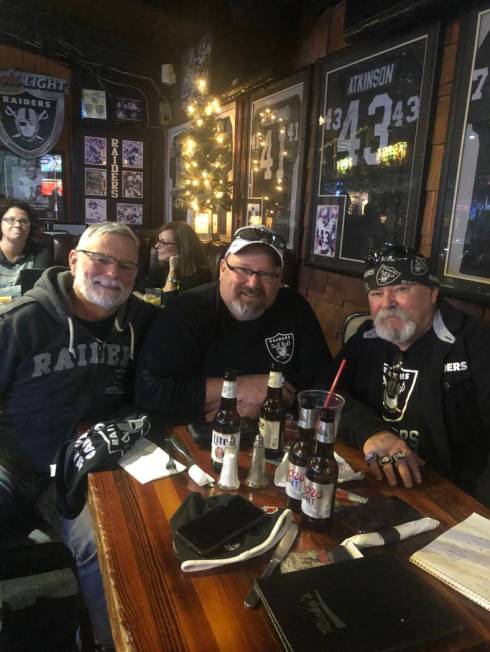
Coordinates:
(373, 119)
(221, 224)
(276, 146)
(174, 163)
(462, 250)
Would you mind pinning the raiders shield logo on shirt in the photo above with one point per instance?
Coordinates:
(398, 384)
(281, 347)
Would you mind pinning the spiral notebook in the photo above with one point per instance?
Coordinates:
(372, 604)
(461, 558)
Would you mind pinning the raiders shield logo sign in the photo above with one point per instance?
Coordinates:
(281, 347)
(30, 121)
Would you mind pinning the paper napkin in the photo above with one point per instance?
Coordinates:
(146, 461)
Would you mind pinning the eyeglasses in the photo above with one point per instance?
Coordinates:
(246, 272)
(105, 261)
(389, 255)
(254, 233)
(22, 221)
(163, 243)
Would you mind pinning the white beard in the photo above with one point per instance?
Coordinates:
(96, 290)
(246, 312)
(389, 332)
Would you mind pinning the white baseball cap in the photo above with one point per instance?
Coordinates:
(246, 236)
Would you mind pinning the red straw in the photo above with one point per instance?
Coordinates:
(334, 384)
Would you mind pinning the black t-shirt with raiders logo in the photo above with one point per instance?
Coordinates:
(402, 395)
(196, 338)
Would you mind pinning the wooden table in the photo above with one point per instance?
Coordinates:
(154, 606)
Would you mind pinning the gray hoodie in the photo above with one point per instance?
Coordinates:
(55, 374)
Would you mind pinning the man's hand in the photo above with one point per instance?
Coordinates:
(252, 392)
(386, 445)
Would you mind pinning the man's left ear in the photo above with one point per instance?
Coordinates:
(434, 294)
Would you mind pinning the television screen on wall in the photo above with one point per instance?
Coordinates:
(39, 182)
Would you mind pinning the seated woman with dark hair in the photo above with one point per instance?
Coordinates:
(17, 250)
(182, 261)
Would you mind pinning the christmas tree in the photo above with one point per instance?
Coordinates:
(206, 153)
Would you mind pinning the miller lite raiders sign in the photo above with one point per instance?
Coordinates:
(31, 112)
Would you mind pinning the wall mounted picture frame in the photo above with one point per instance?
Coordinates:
(94, 104)
(174, 164)
(461, 244)
(276, 147)
(37, 181)
(373, 116)
(173, 170)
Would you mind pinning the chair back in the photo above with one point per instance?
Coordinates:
(351, 324)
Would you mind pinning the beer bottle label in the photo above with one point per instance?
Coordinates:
(295, 483)
(275, 379)
(270, 431)
(306, 419)
(218, 443)
(229, 389)
(326, 433)
(318, 499)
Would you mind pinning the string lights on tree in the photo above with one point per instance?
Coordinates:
(206, 151)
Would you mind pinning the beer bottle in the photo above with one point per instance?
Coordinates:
(321, 476)
(271, 422)
(300, 453)
(226, 422)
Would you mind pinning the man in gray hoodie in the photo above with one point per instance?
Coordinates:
(67, 351)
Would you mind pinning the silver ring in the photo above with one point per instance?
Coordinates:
(371, 457)
(398, 457)
(385, 459)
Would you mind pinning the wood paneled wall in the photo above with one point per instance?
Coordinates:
(333, 295)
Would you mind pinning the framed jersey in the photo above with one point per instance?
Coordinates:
(462, 249)
(276, 146)
(372, 127)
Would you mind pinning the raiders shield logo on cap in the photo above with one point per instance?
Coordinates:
(281, 347)
(418, 266)
(386, 275)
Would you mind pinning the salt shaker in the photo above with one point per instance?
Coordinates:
(228, 478)
(257, 478)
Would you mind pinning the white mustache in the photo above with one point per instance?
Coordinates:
(108, 282)
(385, 313)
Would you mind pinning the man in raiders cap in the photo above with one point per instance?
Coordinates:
(417, 379)
(245, 322)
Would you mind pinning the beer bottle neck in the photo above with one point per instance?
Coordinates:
(324, 449)
(275, 380)
(228, 395)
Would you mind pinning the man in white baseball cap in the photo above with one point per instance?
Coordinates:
(246, 322)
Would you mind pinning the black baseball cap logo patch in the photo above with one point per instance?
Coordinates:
(386, 275)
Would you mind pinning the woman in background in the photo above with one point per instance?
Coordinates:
(17, 250)
(182, 261)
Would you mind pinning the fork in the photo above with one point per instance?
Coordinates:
(170, 466)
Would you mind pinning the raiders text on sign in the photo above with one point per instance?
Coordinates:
(44, 104)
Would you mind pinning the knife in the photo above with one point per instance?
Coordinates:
(280, 551)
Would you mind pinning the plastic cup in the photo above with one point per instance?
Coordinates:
(319, 396)
(290, 430)
(153, 295)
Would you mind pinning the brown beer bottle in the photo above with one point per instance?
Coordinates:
(300, 453)
(226, 422)
(272, 415)
(321, 476)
